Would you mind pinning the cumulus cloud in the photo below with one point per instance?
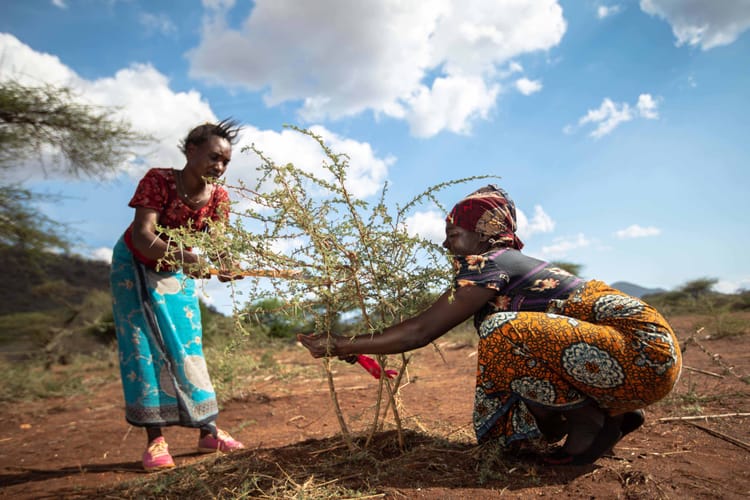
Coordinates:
(705, 24)
(636, 231)
(610, 115)
(365, 175)
(143, 97)
(528, 87)
(646, 106)
(563, 246)
(20, 62)
(60, 4)
(540, 222)
(439, 65)
(450, 104)
(604, 11)
(429, 225)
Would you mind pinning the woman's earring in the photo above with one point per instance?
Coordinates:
(492, 241)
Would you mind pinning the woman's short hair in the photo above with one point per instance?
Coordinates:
(227, 129)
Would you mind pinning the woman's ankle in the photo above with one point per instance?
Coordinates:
(153, 433)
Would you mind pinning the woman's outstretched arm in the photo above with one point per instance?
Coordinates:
(446, 313)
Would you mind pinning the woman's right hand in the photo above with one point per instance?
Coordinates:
(319, 344)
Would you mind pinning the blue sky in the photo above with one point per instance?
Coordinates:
(619, 127)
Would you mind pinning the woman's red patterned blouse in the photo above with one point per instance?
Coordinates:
(158, 191)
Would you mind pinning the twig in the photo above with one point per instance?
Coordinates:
(716, 358)
(130, 428)
(664, 453)
(326, 450)
(704, 372)
(745, 446)
(701, 417)
(263, 273)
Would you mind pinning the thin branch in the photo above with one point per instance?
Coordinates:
(704, 372)
(702, 417)
(745, 446)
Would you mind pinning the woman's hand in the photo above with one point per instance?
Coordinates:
(228, 268)
(319, 344)
(193, 265)
(225, 275)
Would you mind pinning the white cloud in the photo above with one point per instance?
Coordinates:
(539, 223)
(726, 286)
(429, 225)
(707, 24)
(609, 115)
(604, 11)
(365, 175)
(528, 87)
(636, 231)
(157, 23)
(21, 63)
(60, 4)
(337, 58)
(450, 104)
(562, 246)
(647, 107)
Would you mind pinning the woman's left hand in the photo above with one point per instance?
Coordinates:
(319, 344)
(225, 275)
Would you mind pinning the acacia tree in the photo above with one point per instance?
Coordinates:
(351, 258)
(52, 122)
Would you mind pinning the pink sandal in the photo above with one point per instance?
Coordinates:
(223, 442)
(157, 457)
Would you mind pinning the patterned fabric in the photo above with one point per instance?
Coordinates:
(488, 211)
(600, 344)
(522, 283)
(157, 190)
(159, 335)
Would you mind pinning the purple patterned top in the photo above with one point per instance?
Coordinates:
(522, 283)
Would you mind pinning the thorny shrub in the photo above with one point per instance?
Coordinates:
(343, 264)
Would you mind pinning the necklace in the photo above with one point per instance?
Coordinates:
(200, 202)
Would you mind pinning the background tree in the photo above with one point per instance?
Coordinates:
(53, 126)
(699, 287)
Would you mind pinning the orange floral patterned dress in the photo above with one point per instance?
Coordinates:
(552, 340)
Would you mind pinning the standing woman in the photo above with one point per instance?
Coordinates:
(156, 310)
(557, 355)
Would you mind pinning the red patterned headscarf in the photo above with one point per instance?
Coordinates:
(488, 211)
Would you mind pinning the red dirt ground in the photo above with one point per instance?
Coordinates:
(66, 448)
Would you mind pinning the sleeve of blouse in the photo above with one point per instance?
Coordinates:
(221, 213)
(480, 270)
(151, 192)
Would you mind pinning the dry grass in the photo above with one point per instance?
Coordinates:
(321, 469)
